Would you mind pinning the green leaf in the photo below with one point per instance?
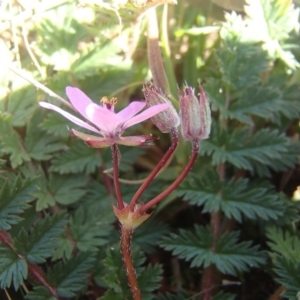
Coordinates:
(13, 268)
(284, 243)
(234, 198)
(181, 295)
(146, 237)
(15, 194)
(288, 274)
(71, 277)
(39, 293)
(22, 104)
(229, 256)
(116, 279)
(90, 228)
(266, 147)
(59, 189)
(11, 142)
(77, 159)
(224, 296)
(39, 145)
(39, 244)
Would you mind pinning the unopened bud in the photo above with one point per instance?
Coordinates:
(166, 120)
(195, 115)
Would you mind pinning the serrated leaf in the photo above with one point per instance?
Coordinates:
(229, 256)
(39, 244)
(56, 125)
(266, 147)
(39, 293)
(60, 189)
(21, 104)
(15, 195)
(234, 198)
(284, 243)
(39, 145)
(70, 277)
(288, 274)
(79, 158)
(13, 268)
(11, 142)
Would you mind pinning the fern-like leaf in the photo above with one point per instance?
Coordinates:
(78, 159)
(13, 268)
(39, 293)
(234, 198)
(15, 195)
(229, 255)
(70, 277)
(39, 244)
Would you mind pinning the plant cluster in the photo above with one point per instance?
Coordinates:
(229, 230)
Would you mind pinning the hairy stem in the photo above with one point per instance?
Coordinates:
(115, 156)
(126, 235)
(157, 168)
(175, 184)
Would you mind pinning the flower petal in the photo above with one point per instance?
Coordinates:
(137, 140)
(103, 118)
(146, 114)
(93, 141)
(70, 117)
(132, 109)
(79, 100)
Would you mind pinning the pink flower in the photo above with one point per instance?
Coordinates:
(102, 119)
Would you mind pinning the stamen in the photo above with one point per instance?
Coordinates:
(109, 104)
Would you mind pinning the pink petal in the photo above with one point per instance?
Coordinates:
(84, 136)
(102, 118)
(79, 99)
(146, 114)
(70, 117)
(132, 109)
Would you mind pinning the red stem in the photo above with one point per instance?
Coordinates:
(115, 155)
(157, 168)
(126, 235)
(176, 183)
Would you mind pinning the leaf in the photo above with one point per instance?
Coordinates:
(224, 296)
(181, 295)
(284, 243)
(15, 194)
(116, 279)
(11, 142)
(39, 244)
(78, 158)
(266, 147)
(90, 228)
(22, 103)
(39, 145)
(229, 256)
(60, 189)
(146, 237)
(70, 277)
(39, 293)
(13, 268)
(288, 274)
(234, 198)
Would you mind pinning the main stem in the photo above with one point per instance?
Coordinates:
(175, 184)
(115, 156)
(126, 235)
(157, 168)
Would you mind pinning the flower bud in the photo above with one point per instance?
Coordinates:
(166, 120)
(195, 115)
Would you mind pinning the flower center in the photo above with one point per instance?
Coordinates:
(109, 103)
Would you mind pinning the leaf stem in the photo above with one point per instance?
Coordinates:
(126, 235)
(115, 156)
(175, 184)
(157, 168)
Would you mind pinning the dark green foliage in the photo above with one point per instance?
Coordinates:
(13, 269)
(39, 243)
(227, 254)
(71, 277)
(115, 276)
(15, 196)
(235, 198)
(39, 293)
(77, 159)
